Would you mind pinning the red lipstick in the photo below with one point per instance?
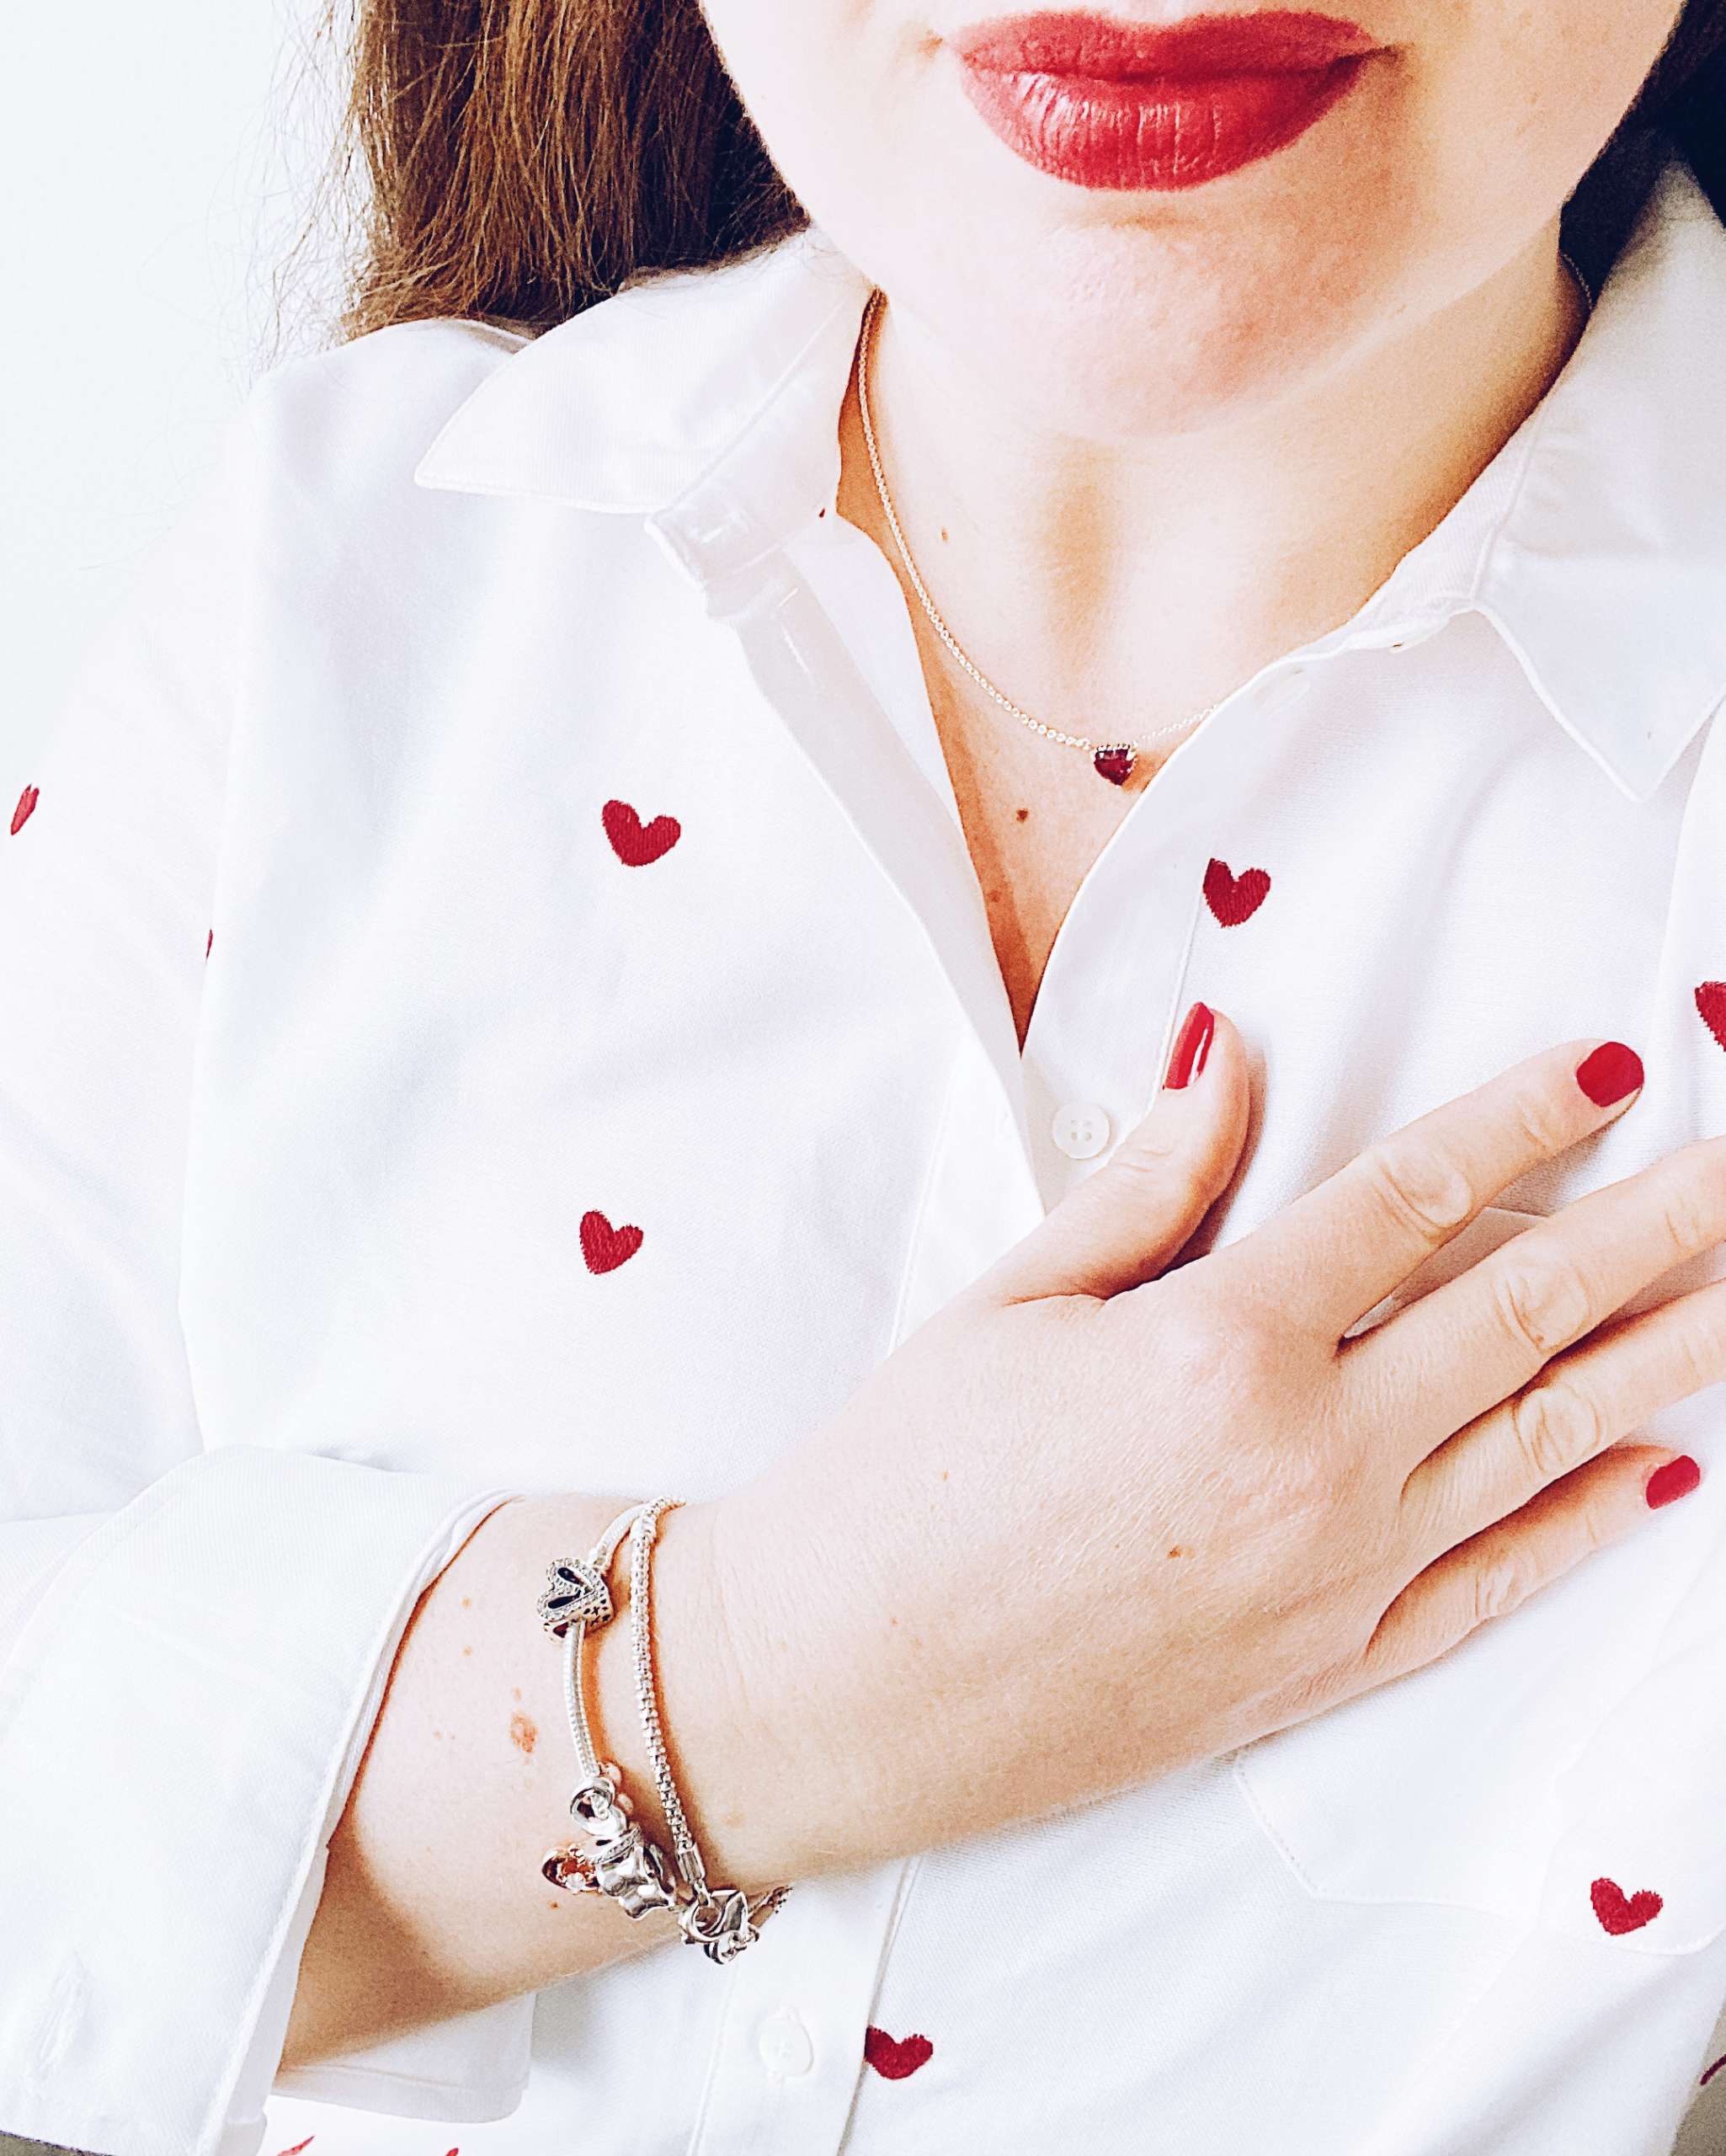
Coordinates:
(1105, 103)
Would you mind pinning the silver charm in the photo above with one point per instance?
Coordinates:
(623, 1863)
(720, 1926)
(575, 1592)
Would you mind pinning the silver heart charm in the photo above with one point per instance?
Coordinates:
(576, 1592)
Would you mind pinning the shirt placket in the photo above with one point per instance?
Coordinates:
(732, 548)
(1183, 867)
(1017, 1133)
(788, 2043)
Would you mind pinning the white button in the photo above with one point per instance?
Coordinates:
(785, 2044)
(1081, 1129)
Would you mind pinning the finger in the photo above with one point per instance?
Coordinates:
(1342, 1246)
(1494, 1572)
(1130, 1218)
(1582, 1403)
(1461, 1349)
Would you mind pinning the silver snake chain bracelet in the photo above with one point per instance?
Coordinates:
(624, 1864)
(721, 1921)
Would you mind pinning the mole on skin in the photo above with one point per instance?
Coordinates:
(522, 1735)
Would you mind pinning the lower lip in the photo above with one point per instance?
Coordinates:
(1157, 132)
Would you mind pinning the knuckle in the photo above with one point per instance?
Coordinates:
(1698, 1352)
(1501, 1582)
(1171, 1168)
(1423, 1190)
(1542, 1302)
(1195, 1350)
(1153, 1150)
(1687, 1216)
(1538, 1122)
(1556, 1427)
(1596, 1526)
(1204, 1333)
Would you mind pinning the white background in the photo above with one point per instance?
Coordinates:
(155, 156)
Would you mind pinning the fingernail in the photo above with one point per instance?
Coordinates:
(1676, 1479)
(1192, 1045)
(1609, 1073)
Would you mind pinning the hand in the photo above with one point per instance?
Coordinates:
(1103, 1516)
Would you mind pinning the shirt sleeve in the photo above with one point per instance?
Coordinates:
(194, 1638)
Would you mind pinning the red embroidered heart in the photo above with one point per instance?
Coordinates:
(603, 1246)
(1710, 1002)
(633, 843)
(895, 2056)
(1234, 899)
(26, 801)
(1615, 1912)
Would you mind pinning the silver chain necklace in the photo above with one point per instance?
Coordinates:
(1114, 760)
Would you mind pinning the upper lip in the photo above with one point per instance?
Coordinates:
(1051, 41)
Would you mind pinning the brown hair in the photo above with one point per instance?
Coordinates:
(522, 159)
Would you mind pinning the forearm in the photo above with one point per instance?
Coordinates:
(433, 1903)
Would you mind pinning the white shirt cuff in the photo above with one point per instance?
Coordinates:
(181, 1720)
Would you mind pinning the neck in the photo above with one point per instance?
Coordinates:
(1110, 587)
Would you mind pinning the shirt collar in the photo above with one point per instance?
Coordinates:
(708, 401)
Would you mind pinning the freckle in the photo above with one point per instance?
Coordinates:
(944, 531)
(554, 1907)
(1022, 813)
(943, 1474)
(437, 1732)
(522, 1734)
(467, 1650)
(468, 1602)
(516, 1689)
(1177, 1551)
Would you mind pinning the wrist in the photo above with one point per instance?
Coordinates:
(749, 1798)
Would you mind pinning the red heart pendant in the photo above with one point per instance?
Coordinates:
(1617, 1913)
(633, 843)
(895, 2056)
(1116, 763)
(1710, 1002)
(603, 1246)
(1234, 899)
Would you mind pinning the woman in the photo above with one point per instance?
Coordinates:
(535, 981)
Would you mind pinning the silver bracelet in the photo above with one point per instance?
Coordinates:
(623, 1864)
(721, 1922)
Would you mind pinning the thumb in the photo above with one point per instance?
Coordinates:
(1130, 1218)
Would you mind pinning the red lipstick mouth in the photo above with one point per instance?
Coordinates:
(1108, 103)
(1278, 41)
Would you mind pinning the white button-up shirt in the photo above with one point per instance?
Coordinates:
(499, 1001)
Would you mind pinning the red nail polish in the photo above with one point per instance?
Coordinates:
(1676, 1479)
(1609, 1073)
(1192, 1045)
